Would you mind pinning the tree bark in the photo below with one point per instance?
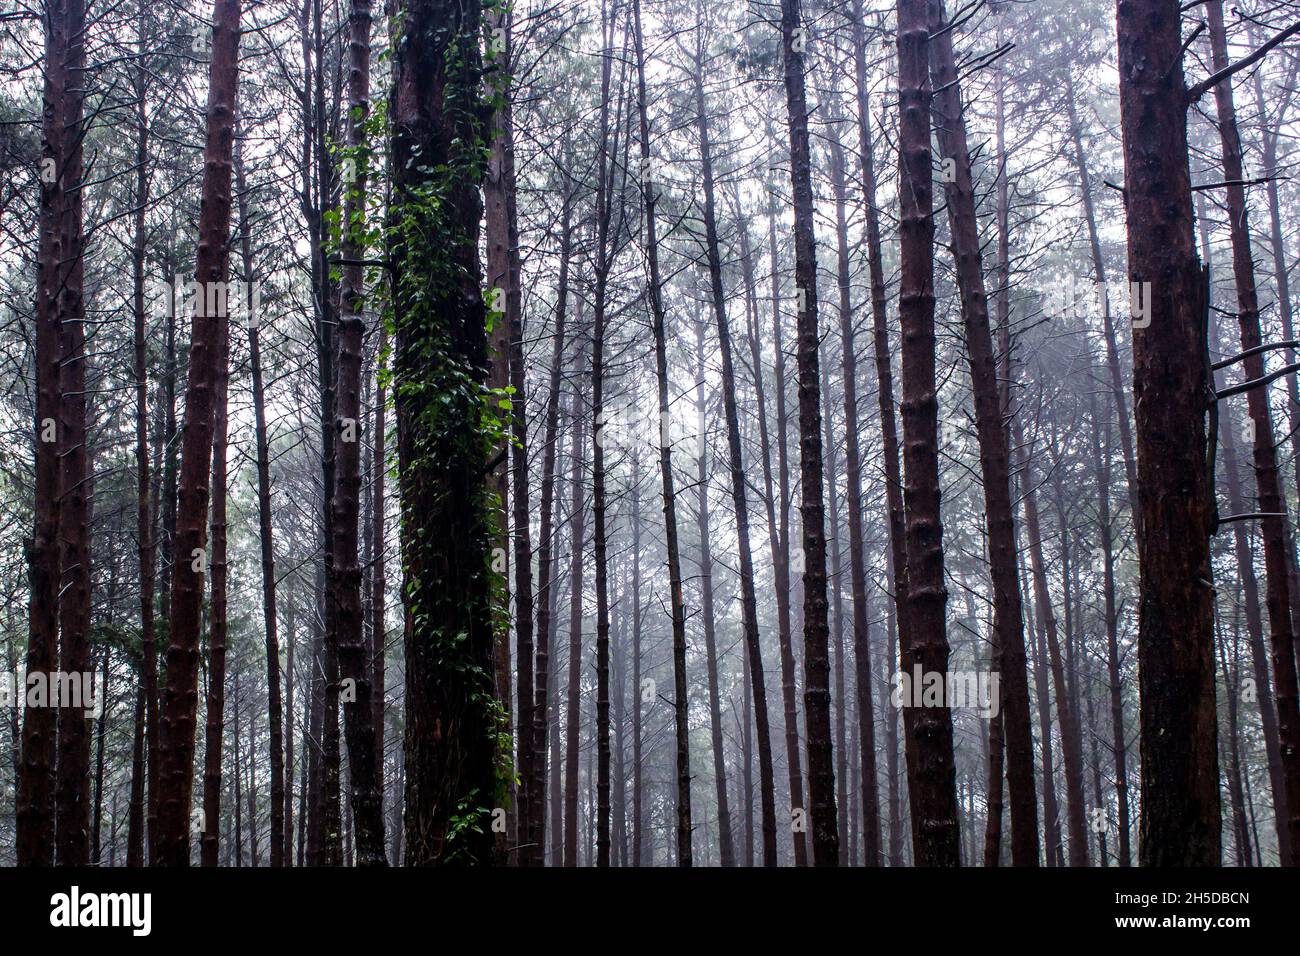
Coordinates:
(1270, 500)
(817, 704)
(452, 723)
(726, 847)
(536, 835)
(658, 323)
(358, 708)
(1180, 822)
(936, 835)
(736, 470)
(208, 331)
(857, 543)
(280, 804)
(218, 623)
(573, 696)
(1008, 616)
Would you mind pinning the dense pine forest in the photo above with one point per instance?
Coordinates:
(649, 433)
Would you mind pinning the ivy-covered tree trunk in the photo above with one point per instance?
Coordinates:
(453, 725)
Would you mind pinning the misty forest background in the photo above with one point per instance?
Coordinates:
(637, 387)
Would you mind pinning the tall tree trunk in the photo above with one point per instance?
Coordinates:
(440, 366)
(658, 323)
(1008, 616)
(546, 594)
(639, 823)
(280, 806)
(358, 708)
(573, 696)
(1271, 501)
(779, 533)
(326, 333)
(936, 835)
(64, 306)
(857, 543)
(208, 332)
(135, 810)
(1115, 378)
(378, 603)
(1180, 781)
(101, 731)
(502, 168)
(726, 848)
(896, 556)
(147, 543)
(817, 703)
(535, 841)
(1101, 452)
(1051, 812)
(218, 624)
(736, 469)
(1065, 715)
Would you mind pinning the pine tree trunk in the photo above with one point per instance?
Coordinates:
(440, 370)
(936, 836)
(208, 331)
(358, 708)
(896, 556)
(639, 824)
(857, 547)
(658, 324)
(726, 848)
(145, 518)
(535, 841)
(736, 469)
(1172, 388)
(218, 624)
(779, 534)
(65, 309)
(1008, 616)
(1119, 739)
(280, 807)
(573, 692)
(378, 603)
(604, 192)
(1270, 500)
(817, 704)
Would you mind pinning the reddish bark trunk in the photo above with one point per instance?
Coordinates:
(208, 328)
(1180, 781)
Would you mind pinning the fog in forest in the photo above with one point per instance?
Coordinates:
(649, 433)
